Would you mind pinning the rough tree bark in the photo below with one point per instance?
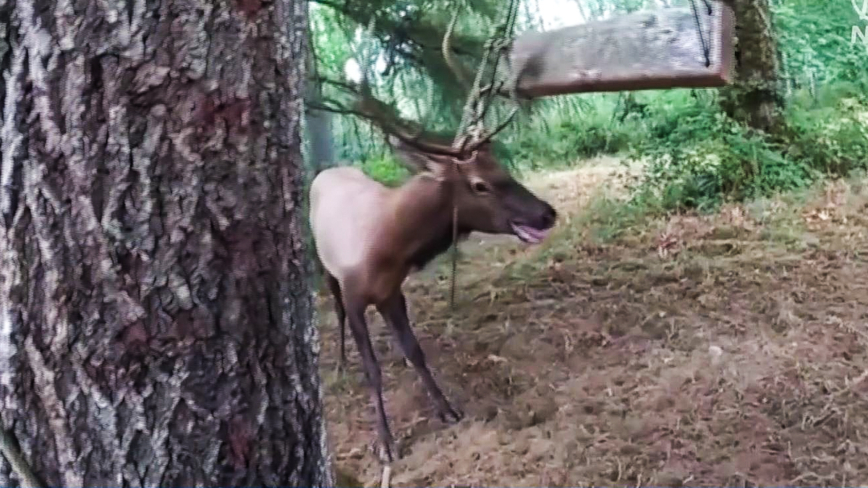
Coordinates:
(155, 317)
(755, 97)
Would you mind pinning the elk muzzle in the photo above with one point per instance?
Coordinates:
(537, 229)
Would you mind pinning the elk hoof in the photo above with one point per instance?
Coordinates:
(386, 451)
(340, 371)
(450, 415)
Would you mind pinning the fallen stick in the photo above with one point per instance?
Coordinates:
(387, 476)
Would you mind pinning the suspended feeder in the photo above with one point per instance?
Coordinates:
(648, 50)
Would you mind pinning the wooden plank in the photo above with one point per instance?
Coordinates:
(640, 51)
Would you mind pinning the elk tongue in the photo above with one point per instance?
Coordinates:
(529, 234)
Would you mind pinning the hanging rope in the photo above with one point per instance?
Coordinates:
(472, 125)
(480, 98)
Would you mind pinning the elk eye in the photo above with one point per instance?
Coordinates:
(481, 187)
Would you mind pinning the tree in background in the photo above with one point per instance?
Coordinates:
(755, 96)
(320, 147)
(155, 316)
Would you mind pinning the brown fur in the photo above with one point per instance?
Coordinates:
(369, 238)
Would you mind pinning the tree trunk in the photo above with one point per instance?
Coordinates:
(155, 317)
(321, 137)
(318, 122)
(755, 96)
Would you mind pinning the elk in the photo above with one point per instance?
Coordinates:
(369, 237)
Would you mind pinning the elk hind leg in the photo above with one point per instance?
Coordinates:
(340, 311)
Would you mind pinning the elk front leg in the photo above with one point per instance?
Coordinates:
(359, 329)
(394, 312)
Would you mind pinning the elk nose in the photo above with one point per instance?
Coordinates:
(548, 217)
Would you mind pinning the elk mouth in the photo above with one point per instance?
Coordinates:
(528, 234)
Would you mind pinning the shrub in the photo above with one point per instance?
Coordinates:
(702, 159)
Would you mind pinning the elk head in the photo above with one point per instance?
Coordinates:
(487, 197)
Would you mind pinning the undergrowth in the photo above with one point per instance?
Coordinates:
(707, 158)
(696, 156)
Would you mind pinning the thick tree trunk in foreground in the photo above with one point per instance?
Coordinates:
(755, 97)
(155, 318)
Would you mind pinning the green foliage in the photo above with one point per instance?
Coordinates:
(705, 157)
(834, 138)
(708, 157)
(559, 136)
(387, 170)
(814, 38)
(332, 50)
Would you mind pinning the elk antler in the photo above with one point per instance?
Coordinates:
(480, 98)
(451, 62)
(386, 117)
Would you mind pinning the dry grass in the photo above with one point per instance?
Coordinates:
(696, 350)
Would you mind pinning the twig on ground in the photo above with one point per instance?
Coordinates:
(387, 476)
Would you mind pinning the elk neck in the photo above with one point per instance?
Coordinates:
(423, 216)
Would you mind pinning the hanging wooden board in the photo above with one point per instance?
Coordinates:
(640, 51)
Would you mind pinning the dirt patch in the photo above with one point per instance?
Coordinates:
(699, 350)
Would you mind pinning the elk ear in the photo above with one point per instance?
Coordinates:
(420, 162)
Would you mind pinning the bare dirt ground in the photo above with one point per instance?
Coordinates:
(696, 350)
